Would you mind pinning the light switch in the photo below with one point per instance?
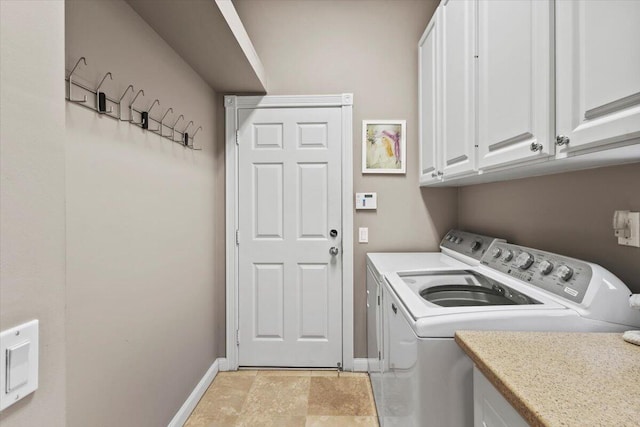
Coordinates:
(363, 235)
(17, 366)
(18, 363)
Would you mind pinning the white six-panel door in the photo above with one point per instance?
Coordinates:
(515, 81)
(597, 72)
(289, 282)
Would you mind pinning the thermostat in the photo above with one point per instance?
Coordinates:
(366, 200)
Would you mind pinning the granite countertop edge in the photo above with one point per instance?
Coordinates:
(518, 403)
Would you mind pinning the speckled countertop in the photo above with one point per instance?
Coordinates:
(561, 379)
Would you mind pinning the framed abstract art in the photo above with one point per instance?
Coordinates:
(384, 146)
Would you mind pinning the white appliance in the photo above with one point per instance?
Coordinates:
(459, 250)
(420, 376)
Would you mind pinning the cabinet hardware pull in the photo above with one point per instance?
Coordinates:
(562, 140)
(536, 147)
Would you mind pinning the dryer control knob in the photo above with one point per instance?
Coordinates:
(508, 256)
(565, 272)
(524, 260)
(496, 252)
(475, 245)
(545, 267)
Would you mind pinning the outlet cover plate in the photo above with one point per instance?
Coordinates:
(15, 338)
(634, 227)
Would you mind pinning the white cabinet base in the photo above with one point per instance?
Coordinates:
(490, 408)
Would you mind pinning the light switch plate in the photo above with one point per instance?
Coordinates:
(18, 363)
(363, 235)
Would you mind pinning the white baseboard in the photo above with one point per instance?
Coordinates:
(223, 364)
(189, 405)
(360, 365)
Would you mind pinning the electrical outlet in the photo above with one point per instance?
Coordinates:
(627, 228)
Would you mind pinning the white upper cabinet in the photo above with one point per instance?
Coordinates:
(515, 84)
(428, 54)
(458, 88)
(597, 72)
(515, 88)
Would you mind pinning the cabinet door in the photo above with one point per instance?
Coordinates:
(490, 409)
(428, 74)
(597, 72)
(458, 109)
(515, 86)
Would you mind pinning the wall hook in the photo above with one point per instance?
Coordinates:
(144, 116)
(101, 98)
(120, 101)
(133, 102)
(162, 120)
(157, 101)
(185, 134)
(84, 60)
(173, 128)
(194, 134)
(192, 146)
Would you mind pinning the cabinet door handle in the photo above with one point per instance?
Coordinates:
(536, 147)
(394, 308)
(562, 140)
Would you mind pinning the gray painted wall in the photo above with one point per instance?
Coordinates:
(569, 213)
(142, 300)
(370, 49)
(32, 173)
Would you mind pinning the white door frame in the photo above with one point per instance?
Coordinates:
(232, 104)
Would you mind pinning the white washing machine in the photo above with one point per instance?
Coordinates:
(459, 251)
(421, 377)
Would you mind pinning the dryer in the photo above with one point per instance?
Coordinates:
(425, 378)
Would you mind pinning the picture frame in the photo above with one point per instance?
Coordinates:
(384, 146)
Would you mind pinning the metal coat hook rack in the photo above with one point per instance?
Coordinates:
(105, 105)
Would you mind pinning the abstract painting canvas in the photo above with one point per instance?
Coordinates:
(383, 146)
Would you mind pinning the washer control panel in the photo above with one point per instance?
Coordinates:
(469, 244)
(560, 275)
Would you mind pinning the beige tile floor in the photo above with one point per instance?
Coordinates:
(286, 399)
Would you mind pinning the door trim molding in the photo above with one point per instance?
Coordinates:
(232, 104)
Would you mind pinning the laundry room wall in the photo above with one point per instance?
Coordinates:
(144, 312)
(335, 46)
(32, 173)
(569, 213)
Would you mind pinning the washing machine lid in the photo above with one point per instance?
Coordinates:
(387, 262)
(443, 293)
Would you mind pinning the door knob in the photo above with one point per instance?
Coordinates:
(333, 251)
